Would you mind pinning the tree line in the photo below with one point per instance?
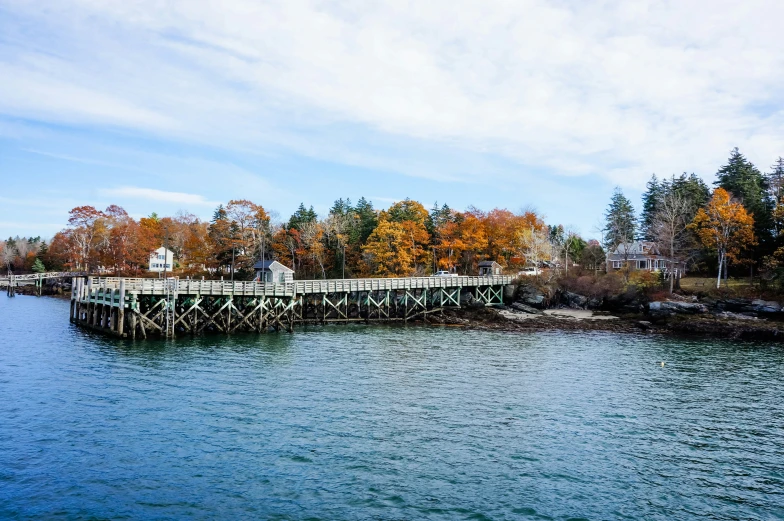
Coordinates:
(738, 225)
(351, 240)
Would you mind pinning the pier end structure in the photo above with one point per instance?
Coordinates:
(136, 307)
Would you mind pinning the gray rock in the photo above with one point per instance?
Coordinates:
(644, 324)
(736, 316)
(519, 306)
(765, 306)
(734, 304)
(530, 296)
(574, 300)
(594, 303)
(669, 308)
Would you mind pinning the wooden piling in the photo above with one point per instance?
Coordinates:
(121, 309)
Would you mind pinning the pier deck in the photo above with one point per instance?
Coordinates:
(168, 307)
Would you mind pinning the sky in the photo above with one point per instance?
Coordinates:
(162, 106)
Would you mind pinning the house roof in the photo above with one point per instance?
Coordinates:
(271, 265)
(636, 248)
(485, 264)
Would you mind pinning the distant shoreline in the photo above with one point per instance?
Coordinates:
(698, 326)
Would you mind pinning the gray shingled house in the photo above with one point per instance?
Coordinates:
(273, 272)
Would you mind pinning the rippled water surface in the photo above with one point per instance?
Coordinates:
(384, 423)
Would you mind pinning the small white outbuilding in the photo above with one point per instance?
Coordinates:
(273, 272)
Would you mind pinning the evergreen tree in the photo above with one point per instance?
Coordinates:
(341, 207)
(218, 215)
(776, 180)
(368, 219)
(301, 216)
(620, 224)
(38, 266)
(650, 199)
(692, 188)
(556, 234)
(438, 217)
(742, 179)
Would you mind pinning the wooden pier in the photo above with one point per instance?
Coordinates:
(11, 282)
(135, 307)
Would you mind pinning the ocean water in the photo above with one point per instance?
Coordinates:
(382, 422)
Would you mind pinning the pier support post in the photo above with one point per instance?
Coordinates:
(89, 317)
(73, 301)
(133, 315)
(121, 309)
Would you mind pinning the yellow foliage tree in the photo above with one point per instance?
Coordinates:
(388, 250)
(411, 216)
(724, 226)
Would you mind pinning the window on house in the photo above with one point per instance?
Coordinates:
(616, 264)
(282, 277)
(643, 264)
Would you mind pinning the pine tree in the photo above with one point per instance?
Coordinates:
(302, 216)
(218, 215)
(693, 189)
(38, 266)
(776, 180)
(742, 179)
(620, 224)
(368, 219)
(341, 207)
(650, 201)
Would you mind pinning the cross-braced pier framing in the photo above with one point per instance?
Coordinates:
(133, 307)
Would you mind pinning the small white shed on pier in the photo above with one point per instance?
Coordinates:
(273, 272)
(489, 268)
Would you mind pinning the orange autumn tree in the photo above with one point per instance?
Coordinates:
(724, 226)
(505, 233)
(448, 241)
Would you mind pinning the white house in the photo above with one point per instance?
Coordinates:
(161, 260)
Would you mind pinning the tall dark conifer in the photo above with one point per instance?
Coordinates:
(776, 180)
(650, 200)
(301, 216)
(745, 182)
(368, 218)
(620, 222)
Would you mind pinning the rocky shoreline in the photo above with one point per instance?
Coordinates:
(528, 309)
(708, 326)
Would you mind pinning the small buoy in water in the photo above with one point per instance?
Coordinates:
(662, 364)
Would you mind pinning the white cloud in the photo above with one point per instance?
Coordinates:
(390, 200)
(152, 194)
(614, 89)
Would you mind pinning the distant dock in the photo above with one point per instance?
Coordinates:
(139, 308)
(11, 282)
